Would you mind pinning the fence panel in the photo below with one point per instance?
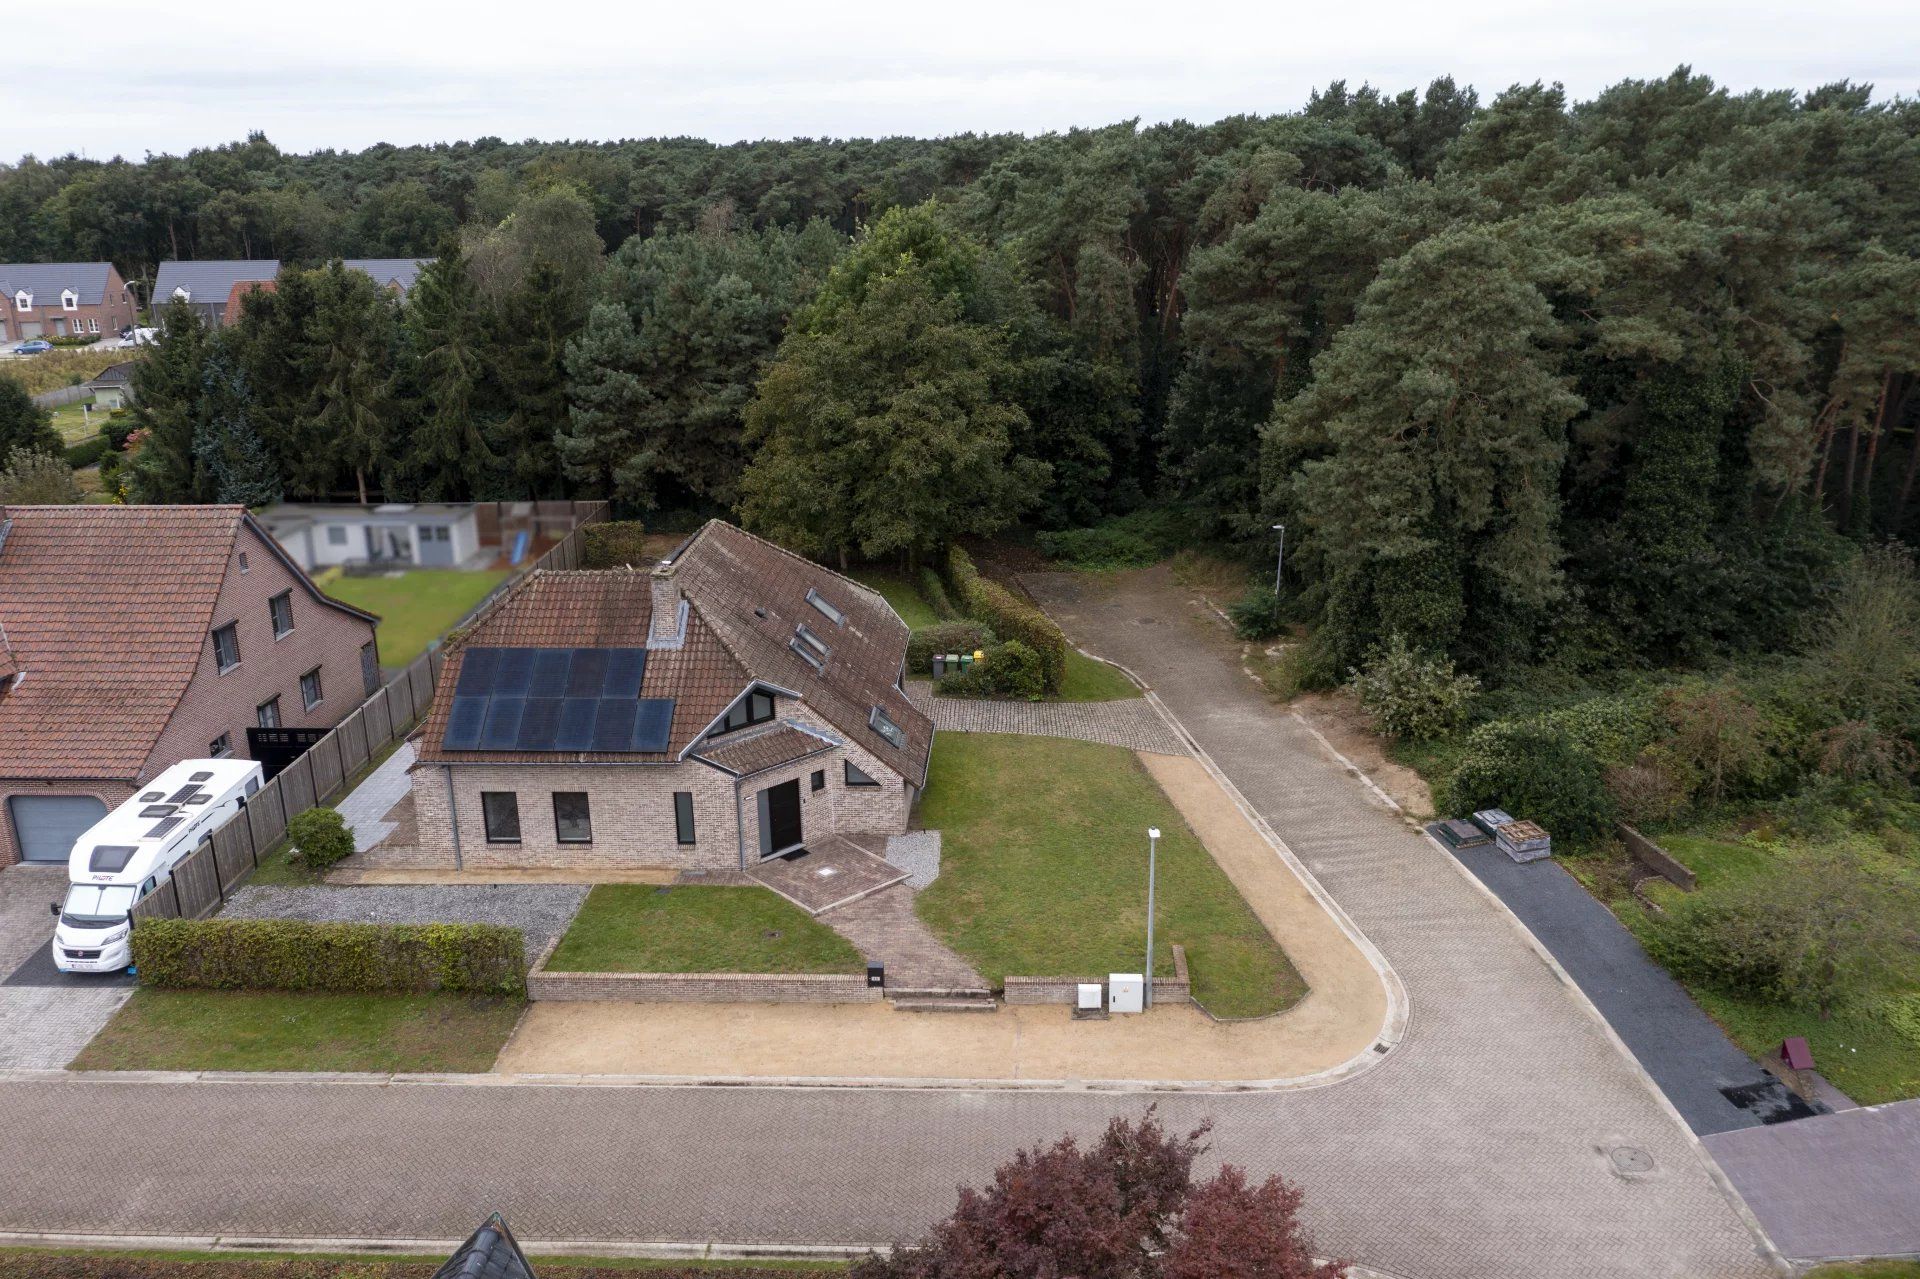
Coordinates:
(196, 883)
(296, 786)
(327, 773)
(267, 816)
(158, 904)
(400, 703)
(352, 732)
(379, 721)
(232, 855)
(420, 683)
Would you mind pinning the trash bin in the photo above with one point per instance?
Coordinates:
(939, 665)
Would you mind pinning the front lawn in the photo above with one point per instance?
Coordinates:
(901, 592)
(416, 607)
(1043, 873)
(1089, 680)
(638, 928)
(287, 1030)
(75, 424)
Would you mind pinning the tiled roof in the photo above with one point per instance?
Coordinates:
(209, 283)
(106, 611)
(752, 752)
(397, 273)
(237, 297)
(47, 280)
(115, 374)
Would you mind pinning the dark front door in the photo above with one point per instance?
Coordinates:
(780, 818)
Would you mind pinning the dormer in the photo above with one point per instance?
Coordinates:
(69, 300)
(23, 301)
(183, 294)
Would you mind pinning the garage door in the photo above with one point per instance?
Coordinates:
(47, 825)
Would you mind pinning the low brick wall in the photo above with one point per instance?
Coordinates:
(1177, 989)
(697, 988)
(1655, 858)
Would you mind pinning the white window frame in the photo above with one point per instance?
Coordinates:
(69, 300)
(23, 301)
(319, 688)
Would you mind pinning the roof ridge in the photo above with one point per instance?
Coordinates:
(770, 544)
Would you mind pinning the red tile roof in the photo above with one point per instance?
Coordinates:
(753, 752)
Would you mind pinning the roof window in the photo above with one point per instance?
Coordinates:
(827, 610)
(812, 649)
(883, 724)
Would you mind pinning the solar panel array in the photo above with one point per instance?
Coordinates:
(563, 700)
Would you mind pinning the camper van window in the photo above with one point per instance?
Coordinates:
(92, 906)
(110, 858)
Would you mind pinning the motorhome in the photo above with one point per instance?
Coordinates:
(134, 849)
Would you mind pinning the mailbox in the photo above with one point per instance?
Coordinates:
(876, 975)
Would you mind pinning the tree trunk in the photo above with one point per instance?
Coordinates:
(1873, 449)
(1913, 454)
(360, 481)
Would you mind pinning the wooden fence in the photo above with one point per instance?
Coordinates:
(202, 880)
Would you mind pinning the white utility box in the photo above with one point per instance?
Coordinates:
(1088, 998)
(1126, 993)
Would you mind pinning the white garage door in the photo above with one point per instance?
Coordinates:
(47, 825)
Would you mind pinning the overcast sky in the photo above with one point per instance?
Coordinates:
(130, 79)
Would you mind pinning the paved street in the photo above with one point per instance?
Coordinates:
(1506, 1136)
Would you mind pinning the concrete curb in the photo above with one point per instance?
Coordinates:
(239, 1245)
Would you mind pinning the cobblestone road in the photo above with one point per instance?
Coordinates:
(1483, 1147)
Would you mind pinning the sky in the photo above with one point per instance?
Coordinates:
(349, 73)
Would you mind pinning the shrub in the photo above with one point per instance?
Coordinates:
(28, 478)
(614, 544)
(120, 424)
(88, 451)
(1133, 540)
(934, 591)
(293, 954)
(1010, 617)
(1413, 695)
(1646, 792)
(321, 837)
(1535, 773)
(1011, 669)
(78, 339)
(943, 637)
(1722, 942)
(1256, 615)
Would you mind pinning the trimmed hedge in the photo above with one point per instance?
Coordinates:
(1009, 670)
(614, 544)
(88, 451)
(1011, 617)
(292, 954)
(935, 592)
(943, 637)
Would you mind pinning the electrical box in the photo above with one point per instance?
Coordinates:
(1126, 993)
(1089, 998)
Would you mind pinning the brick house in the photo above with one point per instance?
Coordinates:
(62, 299)
(211, 289)
(724, 706)
(132, 637)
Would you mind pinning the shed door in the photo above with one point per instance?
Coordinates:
(47, 825)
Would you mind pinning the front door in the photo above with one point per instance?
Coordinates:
(780, 819)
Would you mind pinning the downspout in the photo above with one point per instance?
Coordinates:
(453, 812)
(740, 821)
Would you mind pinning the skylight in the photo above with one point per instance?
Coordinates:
(883, 725)
(827, 610)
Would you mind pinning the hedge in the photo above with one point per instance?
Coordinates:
(88, 451)
(615, 544)
(292, 954)
(1008, 670)
(943, 637)
(1010, 617)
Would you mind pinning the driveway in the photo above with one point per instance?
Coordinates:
(540, 911)
(1506, 1136)
(46, 1017)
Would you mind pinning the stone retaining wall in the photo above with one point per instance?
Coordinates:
(1177, 989)
(697, 988)
(1655, 858)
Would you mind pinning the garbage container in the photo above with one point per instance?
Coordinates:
(939, 665)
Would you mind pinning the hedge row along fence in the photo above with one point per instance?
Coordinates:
(292, 954)
(202, 880)
(1009, 616)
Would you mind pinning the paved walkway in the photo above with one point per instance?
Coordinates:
(883, 927)
(1130, 722)
(365, 809)
(45, 1016)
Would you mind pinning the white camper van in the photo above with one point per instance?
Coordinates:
(132, 850)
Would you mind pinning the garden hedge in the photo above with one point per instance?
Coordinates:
(943, 637)
(614, 544)
(1011, 617)
(88, 451)
(292, 954)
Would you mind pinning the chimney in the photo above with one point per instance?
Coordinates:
(666, 605)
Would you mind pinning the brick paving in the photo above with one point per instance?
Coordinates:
(1131, 722)
(829, 872)
(1479, 1149)
(366, 808)
(44, 1027)
(884, 927)
(25, 890)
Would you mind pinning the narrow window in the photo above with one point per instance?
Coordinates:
(280, 609)
(501, 811)
(857, 778)
(310, 688)
(226, 647)
(683, 815)
(336, 535)
(267, 713)
(221, 746)
(827, 610)
(243, 563)
(572, 822)
(819, 779)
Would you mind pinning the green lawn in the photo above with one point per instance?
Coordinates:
(1043, 873)
(638, 928)
(901, 592)
(285, 1030)
(1867, 1270)
(72, 422)
(1089, 680)
(415, 608)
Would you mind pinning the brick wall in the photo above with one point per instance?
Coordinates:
(1177, 989)
(699, 988)
(322, 636)
(114, 312)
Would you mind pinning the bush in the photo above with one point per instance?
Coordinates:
(120, 424)
(943, 637)
(88, 451)
(1011, 669)
(1646, 792)
(614, 544)
(321, 838)
(291, 954)
(1535, 773)
(1413, 695)
(934, 591)
(1010, 617)
(1134, 540)
(1724, 942)
(28, 478)
(78, 339)
(1256, 615)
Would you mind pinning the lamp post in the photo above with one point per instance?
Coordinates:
(1153, 848)
(1280, 564)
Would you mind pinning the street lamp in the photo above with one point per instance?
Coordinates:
(1153, 847)
(1281, 564)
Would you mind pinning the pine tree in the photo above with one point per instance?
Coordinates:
(446, 456)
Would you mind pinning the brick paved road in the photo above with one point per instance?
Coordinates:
(1130, 722)
(1479, 1149)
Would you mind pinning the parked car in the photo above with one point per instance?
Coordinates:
(126, 332)
(37, 346)
(145, 337)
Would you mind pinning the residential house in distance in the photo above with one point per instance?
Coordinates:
(62, 299)
(113, 389)
(209, 287)
(393, 274)
(132, 637)
(723, 707)
(409, 534)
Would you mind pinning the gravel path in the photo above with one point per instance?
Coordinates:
(918, 853)
(540, 911)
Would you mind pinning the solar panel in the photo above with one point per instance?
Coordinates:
(502, 731)
(162, 826)
(514, 672)
(653, 725)
(550, 672)
(539, 724)
(476, 672)
(464, 723)
(576, 723)
(625, 667)
(157, 810)
(180, 796)
(588, 673)
(613, 724)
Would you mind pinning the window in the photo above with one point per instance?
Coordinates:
(811, 640)
(807, 655)
(885, 726)
(819, 779)
(93, 324)
(69, 300)
(755, 708)
(23, 300)
(310, 688)
(572, 822)
(336, 535)
(280, 609)
(221, 746)
(683, 815)
(243, 563)
(857, 778)
(267, 713)
(226, 647)
(500, 809)
(827, 610)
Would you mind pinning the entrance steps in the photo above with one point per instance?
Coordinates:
(933, 999)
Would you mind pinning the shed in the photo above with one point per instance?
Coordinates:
(401, 534)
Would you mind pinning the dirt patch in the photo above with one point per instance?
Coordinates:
(1339, 719)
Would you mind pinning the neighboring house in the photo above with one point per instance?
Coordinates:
(113, 389)
(237, 299)
(209, 288)
(138, 636)
(394, 274)
(421, 534)
(726, 706)
(62, 299)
